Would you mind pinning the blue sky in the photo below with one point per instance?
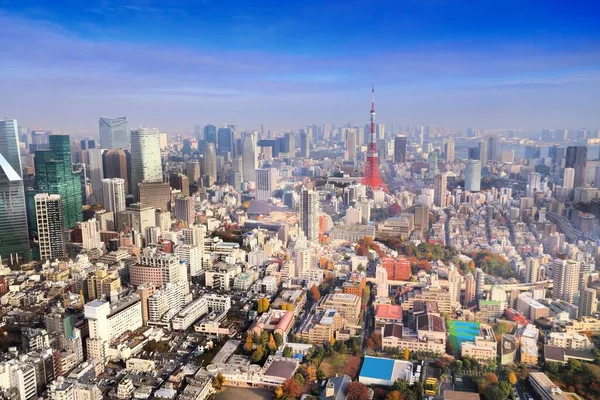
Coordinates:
(174, 64)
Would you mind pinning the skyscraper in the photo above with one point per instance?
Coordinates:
(96, 172)
(304, 145)
(473, 176)
(488, 149)
(146, 165)
(266, 182)
(114, 133)
(113, 195)
(115, 166)
(565, 279)
(54, 175)
(400, 149)
(535, 183)
(568, 178)
(309, 210)
(351, 144)
(210, 163)
(290, 144)
(210, 134)
(49, 217)
(249, 158)
(479, 283)
(180, 182)
(576, 158)
(449, 150)
(226, 145)
(14, 241)
(440, 183)
(185, 210)
(433, 164)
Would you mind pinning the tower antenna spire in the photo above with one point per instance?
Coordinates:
(372, 177)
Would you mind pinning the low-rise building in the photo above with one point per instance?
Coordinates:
(544, 387)
(348, 305)
(570, 340)
(387, 314)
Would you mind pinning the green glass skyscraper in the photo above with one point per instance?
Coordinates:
(54, 175)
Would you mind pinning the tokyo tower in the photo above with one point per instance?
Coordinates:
(371, 177)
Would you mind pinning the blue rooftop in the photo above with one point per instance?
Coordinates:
(377, 368)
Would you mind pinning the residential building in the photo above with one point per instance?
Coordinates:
(473, 176)
(309, 210)
(49, 221)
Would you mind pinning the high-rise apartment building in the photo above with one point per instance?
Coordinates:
(440, 183)
(54, 175)
(479, 283)
(146, 165)
(14, 239)
(49, 220)
(565, 279)
(113, 194)
(114, 133)
(192, 171)
(210, 163)
(576, 158)
(400, 143)
(266, 183)
(588, 302)
(473, 176)
(249, 158)
(115, 163)
(309, 210)
(532, 270)
(470, 290)
(535, 183)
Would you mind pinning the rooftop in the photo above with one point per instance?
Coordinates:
(388, 311)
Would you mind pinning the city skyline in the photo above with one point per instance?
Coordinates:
(180, 65)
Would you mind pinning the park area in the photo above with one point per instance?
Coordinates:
(460, 332)
(340, 364)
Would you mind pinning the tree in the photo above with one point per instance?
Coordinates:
(291, 388)
(497, 391)
(300, 378)
(218, 381)
(258, 354)
(271, 345)
(512, 378)
(395, 395)
(263, 305)
(320, 375)
(278, 393)
(287, 352)
(264, 338)
(278, 339)
(249, 344)
(406, 355)
(314, 293)
(357, 391)
(311, 373)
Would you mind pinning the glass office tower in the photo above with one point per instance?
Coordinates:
(14, 239)
(54, 175)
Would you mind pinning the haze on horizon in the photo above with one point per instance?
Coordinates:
(523, 64)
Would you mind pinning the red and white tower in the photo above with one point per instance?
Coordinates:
(372, 177)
